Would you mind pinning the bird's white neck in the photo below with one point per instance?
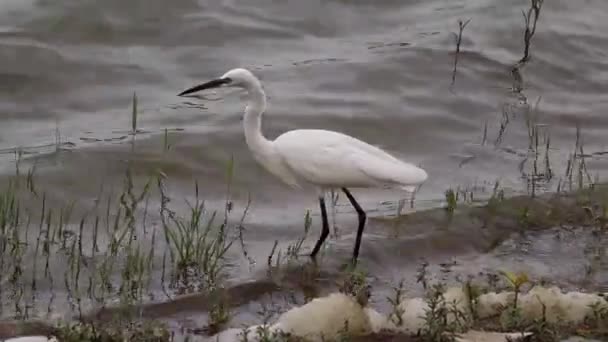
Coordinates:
(252, 122)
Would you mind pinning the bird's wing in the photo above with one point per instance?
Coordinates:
(331, 158)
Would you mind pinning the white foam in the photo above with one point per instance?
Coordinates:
(487, 336)
(377, 321)
(572, 307)
(31, 339)
(492, 303)
(326, 317)
(412, 318)
(414, 310)
(322, 318)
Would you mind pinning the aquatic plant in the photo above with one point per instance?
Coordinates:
(530, 19)
(436, 327)
(197, 243)
(461, 26)
(136, 332)
(422, 273)
(515, 282)
(396, 315)
(451, 199)
(472, 294)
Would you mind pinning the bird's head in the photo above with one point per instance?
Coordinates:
(235, 78)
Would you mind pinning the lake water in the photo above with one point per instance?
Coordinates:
(378, 70)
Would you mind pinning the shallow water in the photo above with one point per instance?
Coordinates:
(380, 71)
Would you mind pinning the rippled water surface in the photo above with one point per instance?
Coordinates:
(379, 70)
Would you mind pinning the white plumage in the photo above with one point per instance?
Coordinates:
(325, 159)
(333, 160)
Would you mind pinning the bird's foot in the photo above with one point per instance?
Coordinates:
(313, 258)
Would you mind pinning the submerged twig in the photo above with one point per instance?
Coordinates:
(461, 26)
(531, 19)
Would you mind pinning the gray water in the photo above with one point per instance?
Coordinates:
(378, 70)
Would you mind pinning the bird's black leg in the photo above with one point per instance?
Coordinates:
(325, 230)
(362, 218)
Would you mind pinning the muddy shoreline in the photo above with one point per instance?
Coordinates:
(450, 231)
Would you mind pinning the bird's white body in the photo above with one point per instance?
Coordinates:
(331, 159)
(326, 159)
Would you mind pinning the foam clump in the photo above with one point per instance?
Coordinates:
(556, 306)
(571, 307)
(378, 322)
(412, 319)
(414, 310)
(328, 316)
(340, 314)
(322, 318)
(492, 303)
(31, 339)
(488, 336)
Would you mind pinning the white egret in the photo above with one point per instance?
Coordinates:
(325, 159)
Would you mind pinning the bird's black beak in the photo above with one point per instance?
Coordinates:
(207, 85)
